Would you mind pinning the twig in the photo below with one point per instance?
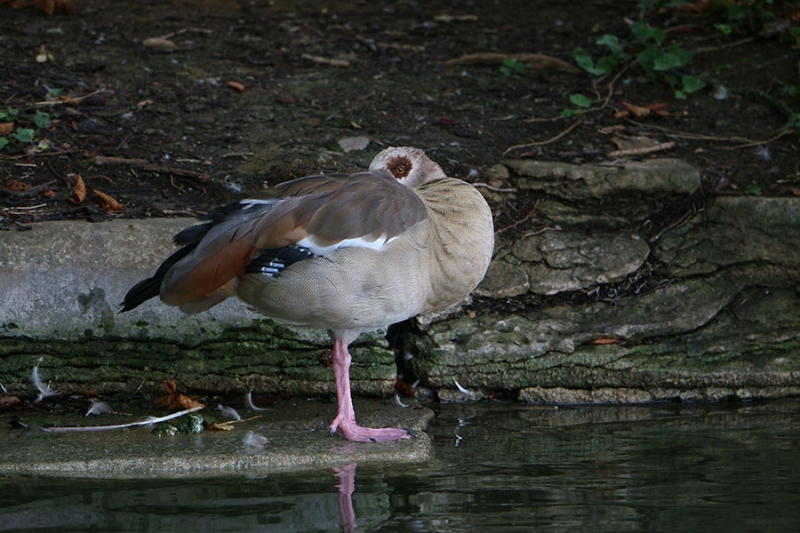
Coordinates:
(687, 135)
(723, 46)
(146, 165)
(520, 221)
(548, 141)
(755, 143)
(677, 224)
(326, 60)
(149, 421)
(71, 100)
(495, 189)
(643, 150)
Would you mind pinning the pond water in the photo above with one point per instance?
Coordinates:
(497, 468)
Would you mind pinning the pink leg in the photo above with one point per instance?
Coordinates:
(347, 486)
(345, 420)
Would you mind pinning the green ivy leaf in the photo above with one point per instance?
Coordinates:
(673, 58)
(752, 190)
(42, 120)
(9, 114)
(584, 60)
(24, 135)
(570, 113)
(691, 83)
(724, 29)
(648, 57)
(612, 42)
(3, 142)
(607, 64)
(644, 32)
(580, 100)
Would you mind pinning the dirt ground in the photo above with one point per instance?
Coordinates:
(174, 107)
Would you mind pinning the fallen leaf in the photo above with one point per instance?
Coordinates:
(455, 18)
(534, 61)
(107, 202)
(42, 55)
(638, 111)
(601, 342)
(401, 387)
(354, 144)
(635, 110)
(9, 401)
(16, 4)
(637, 145)
(49, 6)
(17, 186)
(173, 399)
(78, 190)
(235, 85)
(6, 128)
(220, 426)
(68, 99)
(286, 99)
(326, 60)
(227, 425)
(159, 42)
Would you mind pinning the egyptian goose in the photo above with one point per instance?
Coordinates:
(349, 253)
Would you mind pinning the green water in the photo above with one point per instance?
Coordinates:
(498, 468)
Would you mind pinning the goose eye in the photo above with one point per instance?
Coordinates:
(400, 167)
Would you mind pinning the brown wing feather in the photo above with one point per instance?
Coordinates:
(330, 209)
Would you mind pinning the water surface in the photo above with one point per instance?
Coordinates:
(497, 468)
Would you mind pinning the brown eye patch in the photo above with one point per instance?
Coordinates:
(399, 167)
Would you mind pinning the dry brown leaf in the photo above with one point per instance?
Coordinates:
(107, 202)
(285, 99)
(68, 99)
(17, 186)
(174, 399)
(635, 110)
(49, 6)
(78, 190)
(235, 85)
(220, 426)
(9, 401)
(159, 42)
(6, 128)
(637, 145)
(403, 388)
(601, 342)
(534, 61)
(227, 425)
(638, 111)
(16, 4)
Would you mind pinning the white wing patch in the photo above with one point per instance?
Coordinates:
(359, 242)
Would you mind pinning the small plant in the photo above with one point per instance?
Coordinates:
(654, 59)
(40, 119)
(724, 29)
(580, 101)
(24, 135)
(752, 190)
(512, 66)
(9, 114)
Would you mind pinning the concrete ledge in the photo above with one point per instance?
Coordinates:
(60, 288)
(297, 433)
